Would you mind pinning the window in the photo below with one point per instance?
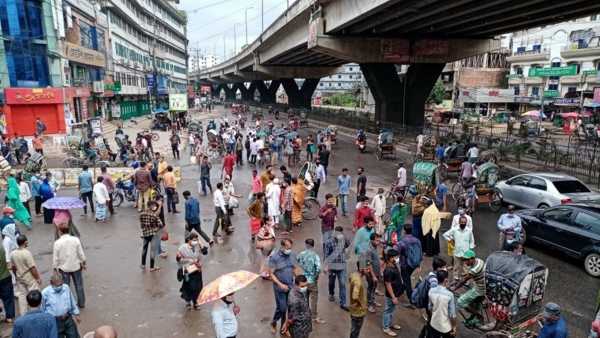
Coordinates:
(516, 90)
(571, 90)
(350, 68)
(519, 70)
(561, 214)
(535, 91)
(588, 222)
(339, 76)
(555, 64)
(339, 84)
(553, 86)
(570, 187)
(598, 65)
(321, 84)
(594, 17)
(101, 41)
(519, 181)
(537, 183)
(85, 35)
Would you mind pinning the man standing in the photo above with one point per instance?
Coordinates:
(463, 241)
(510, 228)
(86, 184)
(554, 323)
(205, 167)
(379, 206)
(192, 216)
(401, 184)
(328, 215)
(69, 260)
(343, 184)
(228, 164)
(35, 193)
(362, 238)
(7, 294)
(443, 309)
(175, 141)
(473, 154)
(35, 323)
(266, 177)
(282, 266)
(321, 178)
(222, 218)
(411, 254)
(393, 289)
(58, 301)
(335, 264)
(466, 172)
(40, 127)
(224, 317)
(299, 316)
(324, 157)
(358, 300)
(286, 205)
(310, 263)
(171, 189)
(26, 273)
(361, 183)
(143, 184)
(102, 197)
(273, 196)
(110, 186)
(370, 260)
(150, 225)
(38, 144)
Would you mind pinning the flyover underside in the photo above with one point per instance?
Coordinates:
(457, 18)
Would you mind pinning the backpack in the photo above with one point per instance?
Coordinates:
(414, 255)
(420, 294)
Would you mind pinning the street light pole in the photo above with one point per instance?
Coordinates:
(246, 22)
(234, 40)
(262, 16)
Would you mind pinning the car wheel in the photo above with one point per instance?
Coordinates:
(543, 206)
(592, 264)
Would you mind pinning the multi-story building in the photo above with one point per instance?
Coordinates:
(349, 79)
(149, 52)
(201, 61)
(556, 67)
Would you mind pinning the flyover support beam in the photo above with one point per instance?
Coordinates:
(268, 95)
(229, 92)
(300, 97)
(247, 92)
(401, 100)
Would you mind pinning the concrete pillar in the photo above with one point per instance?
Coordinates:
(268, 95)
(399, 100)
(300, 97)
(229, 92)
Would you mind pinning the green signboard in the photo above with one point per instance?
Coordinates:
(551, 93)
(591, 72)
(554, 71)
(115, 86)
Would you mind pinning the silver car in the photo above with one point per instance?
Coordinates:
(543, 190)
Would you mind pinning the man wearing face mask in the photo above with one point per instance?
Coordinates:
(554, 323)
(462, 239)
(224, 317)
(393, 289)
(335, 264)
(370, 259)
(510, 228)
(283, 267)
(299, 321)
(58, 301)
(362, 239)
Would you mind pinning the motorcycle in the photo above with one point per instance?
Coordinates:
(124, 190)
(361, 144)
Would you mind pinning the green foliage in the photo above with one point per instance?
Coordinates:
(341, 100)
(437, 93)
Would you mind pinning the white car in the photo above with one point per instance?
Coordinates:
(543, 190)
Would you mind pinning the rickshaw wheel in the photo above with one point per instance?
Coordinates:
(155, 137)
(311, 208)
(378, 154)
(456, 190)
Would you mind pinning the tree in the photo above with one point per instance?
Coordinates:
(437, 93)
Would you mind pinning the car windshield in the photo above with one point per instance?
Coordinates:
(570, 187)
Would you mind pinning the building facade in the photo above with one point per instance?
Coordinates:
(149, 52)
(201, 61)
(555, 68)
(349, 79)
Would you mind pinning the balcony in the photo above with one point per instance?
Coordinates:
(534, 80)
(529, 56)
(574, 79)
(577, 51)
(519, 79)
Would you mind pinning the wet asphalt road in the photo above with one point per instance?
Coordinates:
(144, 304)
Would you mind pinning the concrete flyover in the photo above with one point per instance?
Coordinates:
(314, 37)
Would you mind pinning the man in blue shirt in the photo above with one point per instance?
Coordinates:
(192, 216)
(58, 301)
(35, 193)
(282, 266)
(343, 183)
(86, 186)
(310, 263)
(555, 325)
(35, 323)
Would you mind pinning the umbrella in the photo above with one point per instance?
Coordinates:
(225, 285)
(64, 203)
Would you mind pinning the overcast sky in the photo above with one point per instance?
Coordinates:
(210, 22)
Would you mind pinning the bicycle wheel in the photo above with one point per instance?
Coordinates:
(311, 208)
(155, 137)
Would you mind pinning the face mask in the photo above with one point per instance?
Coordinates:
(397, 260)
(287, 251)
(57, 289)
(510, 216)
(462, 226)
(194, 243)
(304, 289)
(340, 237)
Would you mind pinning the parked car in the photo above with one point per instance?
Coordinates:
(573, 229)
(543, 190)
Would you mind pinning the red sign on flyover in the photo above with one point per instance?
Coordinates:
(33, 95)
